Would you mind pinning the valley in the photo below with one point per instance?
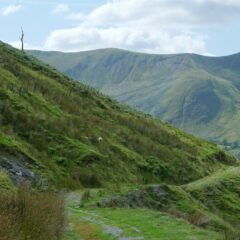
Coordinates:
(197, 94)
(123, 174)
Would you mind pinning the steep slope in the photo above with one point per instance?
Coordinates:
(211, 202)
(60, 132)
(195, 93)
(220, 193)
(73, 136)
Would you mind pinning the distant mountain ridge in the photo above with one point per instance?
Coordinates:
(198, 94)
(56, 128)
(56, 132)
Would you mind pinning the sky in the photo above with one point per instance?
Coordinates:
(208, 27)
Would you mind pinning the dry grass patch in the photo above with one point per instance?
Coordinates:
(25, 215)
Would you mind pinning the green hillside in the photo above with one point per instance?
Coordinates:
(220, 192)
(195, 93)
(211, 202)
(59, 133)
(75, 136)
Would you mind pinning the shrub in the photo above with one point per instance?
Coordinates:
(86, 196)
(86, 178)
(229, 235)
(25, 215)
(199, 219)
(176, 212)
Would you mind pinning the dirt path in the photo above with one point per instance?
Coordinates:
(84, 224)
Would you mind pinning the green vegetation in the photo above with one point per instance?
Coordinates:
(116, 223)
(220, 193)
(195, 93)
(120, 223)
(212, 205)
(59, 133)
(73, 136)
(5, 182)
(178, 202)
(26, 215)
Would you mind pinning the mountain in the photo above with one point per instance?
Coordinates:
(60, 133)
(196, 93)
(72, 135)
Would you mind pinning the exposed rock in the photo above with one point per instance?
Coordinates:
(18, 168)
(151, 197)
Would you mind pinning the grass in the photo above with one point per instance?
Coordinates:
(195, 93)
(35, 216)
(213, 205)
(151, 225)
(220, 194)
(56, 123)
(52, 125)
(5, 182)
(214, 179)
(173, 200)
(80, 229)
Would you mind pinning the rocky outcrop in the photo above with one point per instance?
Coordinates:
(154, 197)
(18, 168)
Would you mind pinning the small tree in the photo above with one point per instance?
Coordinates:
(22, 39)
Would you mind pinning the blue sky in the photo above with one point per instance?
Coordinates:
(210, 27)
(36, 17)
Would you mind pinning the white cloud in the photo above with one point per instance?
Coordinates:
(13, 8)
(60, 9)
(156, 26)
(144, 40)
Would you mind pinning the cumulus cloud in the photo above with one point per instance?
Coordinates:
(60, 9)
(156, 26)
(13, 8)
(144, 40)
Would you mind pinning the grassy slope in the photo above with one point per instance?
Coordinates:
(126, 223)
(5, 182)
(137, 224)
(211, 203)
(198, 94)
(56, 123)
(220, 192)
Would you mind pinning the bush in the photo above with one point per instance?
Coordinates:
(86, 178)
(199, 219)
(30, 216)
